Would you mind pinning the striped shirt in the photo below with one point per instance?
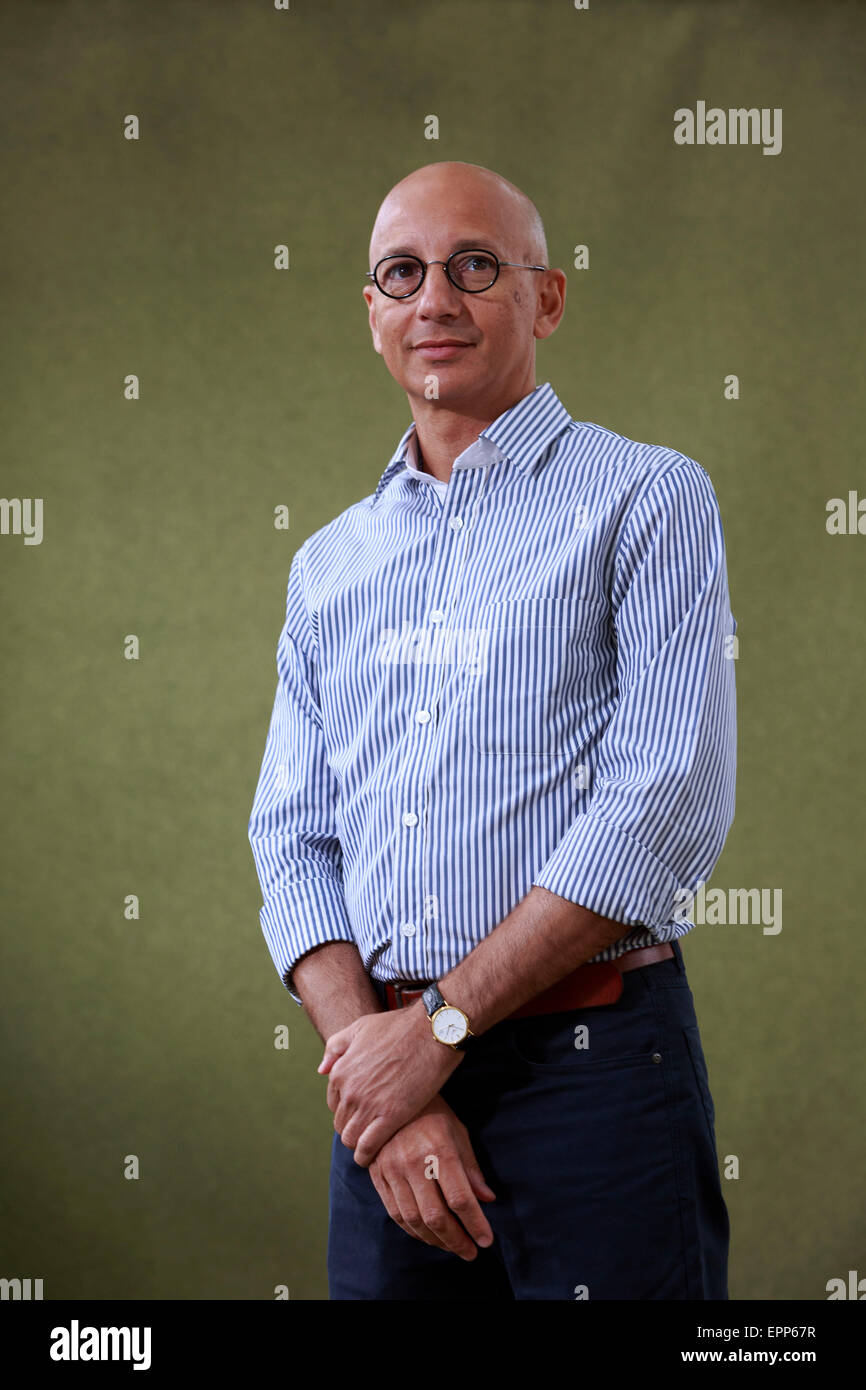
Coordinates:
(526, 680)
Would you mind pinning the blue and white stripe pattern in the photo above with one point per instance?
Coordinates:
(529, 681)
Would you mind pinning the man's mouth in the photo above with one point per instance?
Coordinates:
(441, 349)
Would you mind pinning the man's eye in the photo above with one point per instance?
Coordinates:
(401, 270)
(477, 261)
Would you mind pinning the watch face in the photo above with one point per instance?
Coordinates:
(449, 1025)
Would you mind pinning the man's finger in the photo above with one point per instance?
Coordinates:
(404, 1211)
(334, 1048)
(462, 1201)
(386, 1195)
(479, 1184)
(377, 1133)
(342, 1115)
(332, 1095)
(410, 1216)
(426, 1212)
(349, 1125)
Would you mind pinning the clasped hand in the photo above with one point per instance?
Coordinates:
(382, 1069)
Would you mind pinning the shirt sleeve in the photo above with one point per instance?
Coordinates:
(661, 798)
(292, 825)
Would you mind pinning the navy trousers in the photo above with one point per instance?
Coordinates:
(595, 1129)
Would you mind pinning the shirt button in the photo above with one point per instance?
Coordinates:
(409, 818)
(437, 616)
(423, 716)
(408, 929)
(456, 523)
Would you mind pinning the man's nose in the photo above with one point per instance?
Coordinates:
(437, 295)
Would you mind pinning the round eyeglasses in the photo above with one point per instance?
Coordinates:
(473, 271)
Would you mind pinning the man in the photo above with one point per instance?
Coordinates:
(502, 756)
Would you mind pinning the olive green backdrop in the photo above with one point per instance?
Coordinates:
(154, 1036)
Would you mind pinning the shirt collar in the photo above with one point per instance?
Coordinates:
(519, 434)
(478, 454)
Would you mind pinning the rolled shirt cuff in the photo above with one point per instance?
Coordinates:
(599, 866)
(306, 913)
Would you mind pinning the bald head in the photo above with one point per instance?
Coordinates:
(492, 199)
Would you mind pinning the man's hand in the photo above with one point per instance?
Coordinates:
(429, 1200)
(383, 1069)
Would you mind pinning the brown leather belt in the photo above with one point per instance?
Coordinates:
(596, 982)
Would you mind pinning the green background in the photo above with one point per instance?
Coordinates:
(260, 387)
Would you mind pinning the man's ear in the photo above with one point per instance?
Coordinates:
(551, 304)
(374, 329)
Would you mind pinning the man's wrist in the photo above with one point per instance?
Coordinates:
(422, 1029)
(449, 1023)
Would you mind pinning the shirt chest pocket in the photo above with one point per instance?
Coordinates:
(529, 687)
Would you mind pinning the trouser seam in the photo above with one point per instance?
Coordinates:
(669, 1078)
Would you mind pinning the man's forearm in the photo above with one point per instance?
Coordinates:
(541, 941)
(334, 987)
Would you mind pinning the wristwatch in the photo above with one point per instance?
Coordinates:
(450, 1024)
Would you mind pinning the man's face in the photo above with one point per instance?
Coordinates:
(486, 341)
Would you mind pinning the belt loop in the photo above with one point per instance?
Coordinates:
(678, 955)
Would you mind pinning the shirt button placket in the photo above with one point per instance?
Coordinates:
(414, 933)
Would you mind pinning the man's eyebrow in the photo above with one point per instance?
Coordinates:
(467, 244)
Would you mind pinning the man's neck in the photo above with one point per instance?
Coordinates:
(438, 447)
(441, 435)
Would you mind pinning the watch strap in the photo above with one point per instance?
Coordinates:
(432, 999)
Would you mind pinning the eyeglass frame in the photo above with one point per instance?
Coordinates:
(461, 251)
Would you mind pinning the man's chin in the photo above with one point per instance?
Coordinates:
(441, 385)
